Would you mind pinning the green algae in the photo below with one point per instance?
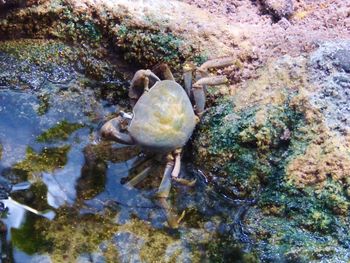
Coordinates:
(254, 154)
(244, 140)
(66, 237)
(150, 47)
(44, 104)
(135, 43)
(60, 132)
(28, 240)
(290, 242)
(252, 145)
(71, 234)
(47, 160)
(40, 52)
(223, 249)
(75, 28)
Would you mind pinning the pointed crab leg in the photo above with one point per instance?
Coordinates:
(217, 63)
(165, 185)
(187, 76)
(198, 90)
(163, 71)
(176, 171)
(177, 165)
(172, 218)
(139, 177)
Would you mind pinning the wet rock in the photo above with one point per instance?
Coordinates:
(91, 258)
(173, 250)
(5, 188)
(342, 58)
(282, 139)
(128, 246)
(329, 67)
(278, 8)
(29, 63)
(25, 75)
(134, 29)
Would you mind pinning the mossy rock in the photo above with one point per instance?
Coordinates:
(120, 30)
(268, 143)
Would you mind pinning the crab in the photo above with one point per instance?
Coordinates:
(164, 115)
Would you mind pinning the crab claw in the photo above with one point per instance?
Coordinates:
(112, 130)
(140, 84)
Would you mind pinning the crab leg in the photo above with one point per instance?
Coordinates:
(172, 218)
(163, 193)
(111, 130)
(141, 78)
(217, 63)
(163, 71)
(176, 171)
(177, 165)
(187, 76)
(199, 99)
(211, 81)
(165, 185)
(198, 91)
(139, 177)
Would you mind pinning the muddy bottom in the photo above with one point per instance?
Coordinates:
(49, 122)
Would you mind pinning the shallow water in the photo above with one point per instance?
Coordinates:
(48, 136)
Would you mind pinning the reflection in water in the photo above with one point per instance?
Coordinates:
(20, 256)
(19, 125)
(61, 183)
(15, 217)
(118, 162)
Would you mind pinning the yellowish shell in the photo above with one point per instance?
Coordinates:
(163, 117)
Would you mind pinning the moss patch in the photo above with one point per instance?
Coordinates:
(151, 47)
(59, 132)
(271, 145)
(47, 160)
(40, 52)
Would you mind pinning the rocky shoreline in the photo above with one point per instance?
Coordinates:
(278, 138)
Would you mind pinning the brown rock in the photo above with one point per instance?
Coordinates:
(278, 8)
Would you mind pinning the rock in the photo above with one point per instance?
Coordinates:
(6, 5)
(342, 58)
(128, 246)
(278, 8)
(283, 139)
(141, 32)
(329, 67)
